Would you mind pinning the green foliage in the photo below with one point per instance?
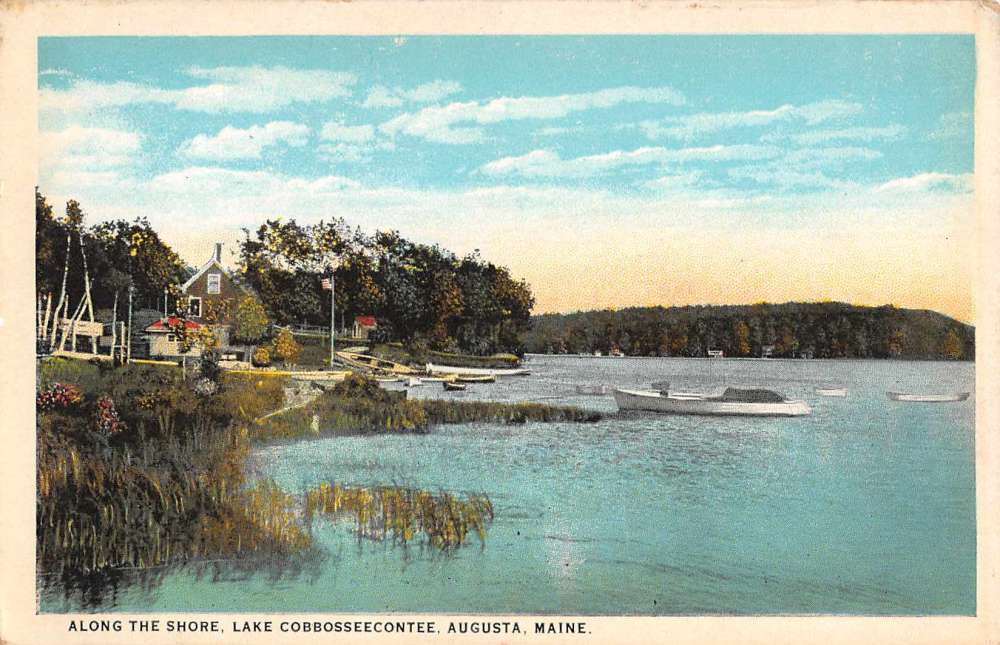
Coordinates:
(415, 290)
(819, 330)
(115, 251)
(251, 320)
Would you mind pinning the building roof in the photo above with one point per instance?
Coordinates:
(367, 321)
(214, 261)
(165, 325)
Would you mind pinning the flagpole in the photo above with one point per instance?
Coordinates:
(333, 318)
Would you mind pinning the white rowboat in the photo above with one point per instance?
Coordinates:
(832, 391)
(928, 398)
(729, 404)
(475, 371)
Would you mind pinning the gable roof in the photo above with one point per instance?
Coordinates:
(205, 267)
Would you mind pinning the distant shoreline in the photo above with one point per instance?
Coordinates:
(768, 360)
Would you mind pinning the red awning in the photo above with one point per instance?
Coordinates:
(173, 321)
(365, 321)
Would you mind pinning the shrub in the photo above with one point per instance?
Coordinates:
(261, 357)
(251, 320)
(285, 348)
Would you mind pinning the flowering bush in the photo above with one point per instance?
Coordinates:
(107, 418)
(58, 395)
(205, 387)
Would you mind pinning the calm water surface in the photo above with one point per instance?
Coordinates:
(865, 507)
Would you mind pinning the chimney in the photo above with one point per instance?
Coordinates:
(218, 252)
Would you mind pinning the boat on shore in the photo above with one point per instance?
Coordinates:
(476, 371)
(732, 402)
(373, 364)
(473, 378)
(832, 391)
(928, 398)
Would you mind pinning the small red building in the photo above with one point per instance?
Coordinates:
(364, 325)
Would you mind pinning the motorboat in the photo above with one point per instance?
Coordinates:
(732, 402)
(832, 391)
(928, 398)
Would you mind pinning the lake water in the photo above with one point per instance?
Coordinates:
(865, 507)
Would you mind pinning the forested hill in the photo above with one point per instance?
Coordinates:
(794, 329)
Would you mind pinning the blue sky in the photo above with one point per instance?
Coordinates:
(544, 152)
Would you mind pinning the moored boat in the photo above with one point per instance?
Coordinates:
(476, 371)
(732, 402)
(452, 387)
(928, 398)
(832, 391)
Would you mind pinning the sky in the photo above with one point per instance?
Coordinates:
(607, 171)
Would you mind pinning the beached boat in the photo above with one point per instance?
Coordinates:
(452, 387)
(928, 398)
(832, 391)
(476, 371)
(373, 364)
(472, 378)
(732, 402)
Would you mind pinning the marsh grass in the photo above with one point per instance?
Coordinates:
(359, 406)
(403, 515)
(165, 486)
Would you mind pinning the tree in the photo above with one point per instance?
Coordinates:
(251, 320)
(951, 346)
(741, 334)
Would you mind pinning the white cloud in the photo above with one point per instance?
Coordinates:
(893, 131)
(546, 163)
(78, 146)
(380, 96)
(226, 182)
(245, 143)
(929, 182)
(438, 123)
(55, 72)
(338, 131)
(675, 181)
(229, 89)
(686, 127)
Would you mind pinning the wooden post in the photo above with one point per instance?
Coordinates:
(62, 292)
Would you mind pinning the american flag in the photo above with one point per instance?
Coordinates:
(326, 284)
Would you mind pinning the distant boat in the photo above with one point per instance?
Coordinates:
(732, 402)
(476, 371)
(716, 353)
(928, 398)
(452, 387)
(832, 391)
(413, 381)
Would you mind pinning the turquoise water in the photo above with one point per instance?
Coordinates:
(865, 507)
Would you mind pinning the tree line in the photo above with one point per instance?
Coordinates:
(789, 330)
(418, 293)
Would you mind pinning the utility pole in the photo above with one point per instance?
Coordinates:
(128, 347)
